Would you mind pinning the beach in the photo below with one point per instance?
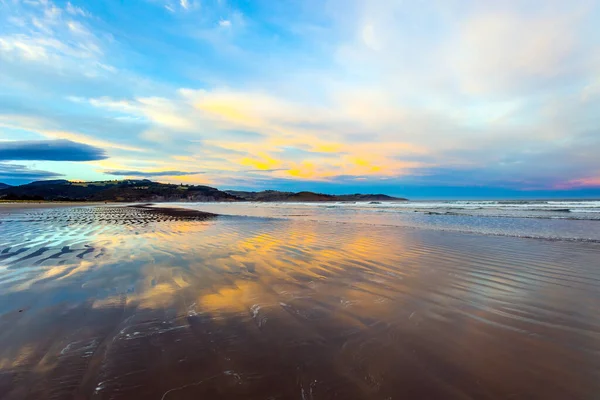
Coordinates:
(117, 302)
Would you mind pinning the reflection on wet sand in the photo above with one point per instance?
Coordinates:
(116, 303)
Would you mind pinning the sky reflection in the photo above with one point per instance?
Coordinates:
(257, 307)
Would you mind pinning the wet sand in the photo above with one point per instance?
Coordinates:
(128, 303)
(7, 206)
(177, 212)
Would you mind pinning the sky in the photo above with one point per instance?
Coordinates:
(421, 98)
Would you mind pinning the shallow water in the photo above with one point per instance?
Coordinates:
(568, 220)
(116, 303)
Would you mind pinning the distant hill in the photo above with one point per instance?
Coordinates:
(369, 197)
(126, 191)
(274, 196)
(144, 190)
(3, 186)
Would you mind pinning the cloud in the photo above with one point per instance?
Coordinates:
(265, 170)
(521, 50)
(50, 150)
(151, 173)
(500, 93)
(74, 10)
(58, 38)
(18, 174)
(583, 182)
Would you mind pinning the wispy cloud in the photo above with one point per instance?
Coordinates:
(77, 11)
(59, 38)
(151, 173)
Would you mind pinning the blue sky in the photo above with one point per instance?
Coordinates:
(419, 98)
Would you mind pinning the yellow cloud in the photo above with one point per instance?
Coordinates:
(304, 170)
(284, 126)
(265, 162)
(230, 112)
(328, 147)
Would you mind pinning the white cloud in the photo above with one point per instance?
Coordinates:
(225, 23)
(370, 37)
(56, 38)
(498, 51)
(74, 10)
(111, 104)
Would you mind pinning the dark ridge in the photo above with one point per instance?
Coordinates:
(48, 182)
(277, 196)
(144, 190)
(129, 190)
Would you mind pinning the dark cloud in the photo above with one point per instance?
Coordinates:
(297, 153)
(266, 170)
(151, 174)
(240, 134)
(19, 174)
(50, 150)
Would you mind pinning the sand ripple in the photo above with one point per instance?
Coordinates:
(126, 303)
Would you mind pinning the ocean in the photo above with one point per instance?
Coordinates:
(551, 219)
